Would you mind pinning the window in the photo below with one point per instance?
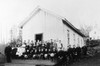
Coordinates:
(74, 38)
(68, 36)
(81, 41)
(78, 41)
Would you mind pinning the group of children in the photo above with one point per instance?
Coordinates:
(47, 50)
(36, 50)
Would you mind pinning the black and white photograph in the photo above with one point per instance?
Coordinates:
(49, 32)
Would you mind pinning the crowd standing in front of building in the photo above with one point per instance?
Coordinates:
(51, 50)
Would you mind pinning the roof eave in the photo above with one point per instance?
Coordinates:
(65, 21)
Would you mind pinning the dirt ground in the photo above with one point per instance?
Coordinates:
(30, 63)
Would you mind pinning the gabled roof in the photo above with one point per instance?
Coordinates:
(34, 12)
(38, 8)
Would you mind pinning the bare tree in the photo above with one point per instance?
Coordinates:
(85, 29)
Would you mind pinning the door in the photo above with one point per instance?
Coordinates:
(39, 37)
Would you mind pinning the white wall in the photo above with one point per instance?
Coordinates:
(53, 27)
(33, 26)
(45, 23)
(72, 42)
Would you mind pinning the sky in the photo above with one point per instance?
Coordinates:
(78, 12)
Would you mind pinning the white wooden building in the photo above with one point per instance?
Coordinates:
(45, 25)
(95, 34)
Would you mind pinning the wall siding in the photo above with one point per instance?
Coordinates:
(76, 43)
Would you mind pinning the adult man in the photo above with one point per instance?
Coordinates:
(48, 44)
(70, 52)
(14, 50)
(51, 44)
(55, 44)
(74, 53)
(78, 50)
(59, 45)
(8, 53)
(84, 50)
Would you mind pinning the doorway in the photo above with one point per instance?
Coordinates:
(39, 37)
